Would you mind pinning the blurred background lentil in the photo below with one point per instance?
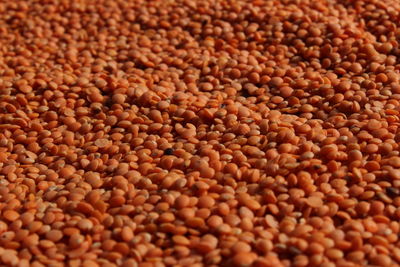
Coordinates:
(199, 133)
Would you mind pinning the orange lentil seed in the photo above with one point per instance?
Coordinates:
(199, 133)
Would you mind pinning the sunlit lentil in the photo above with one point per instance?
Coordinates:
(199, 133)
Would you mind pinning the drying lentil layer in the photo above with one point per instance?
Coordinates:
(199, 133)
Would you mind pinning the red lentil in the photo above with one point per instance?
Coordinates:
(199, 133)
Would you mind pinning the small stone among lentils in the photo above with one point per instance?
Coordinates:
(199, 133)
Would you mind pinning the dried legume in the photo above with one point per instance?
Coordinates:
(199, 133)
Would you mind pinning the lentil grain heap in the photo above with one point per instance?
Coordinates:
(199, 133)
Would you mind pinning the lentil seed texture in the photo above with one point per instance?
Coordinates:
(199, 133)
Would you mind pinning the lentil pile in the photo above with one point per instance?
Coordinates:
(199, 133)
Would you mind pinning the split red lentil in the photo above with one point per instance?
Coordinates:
(199, 133)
